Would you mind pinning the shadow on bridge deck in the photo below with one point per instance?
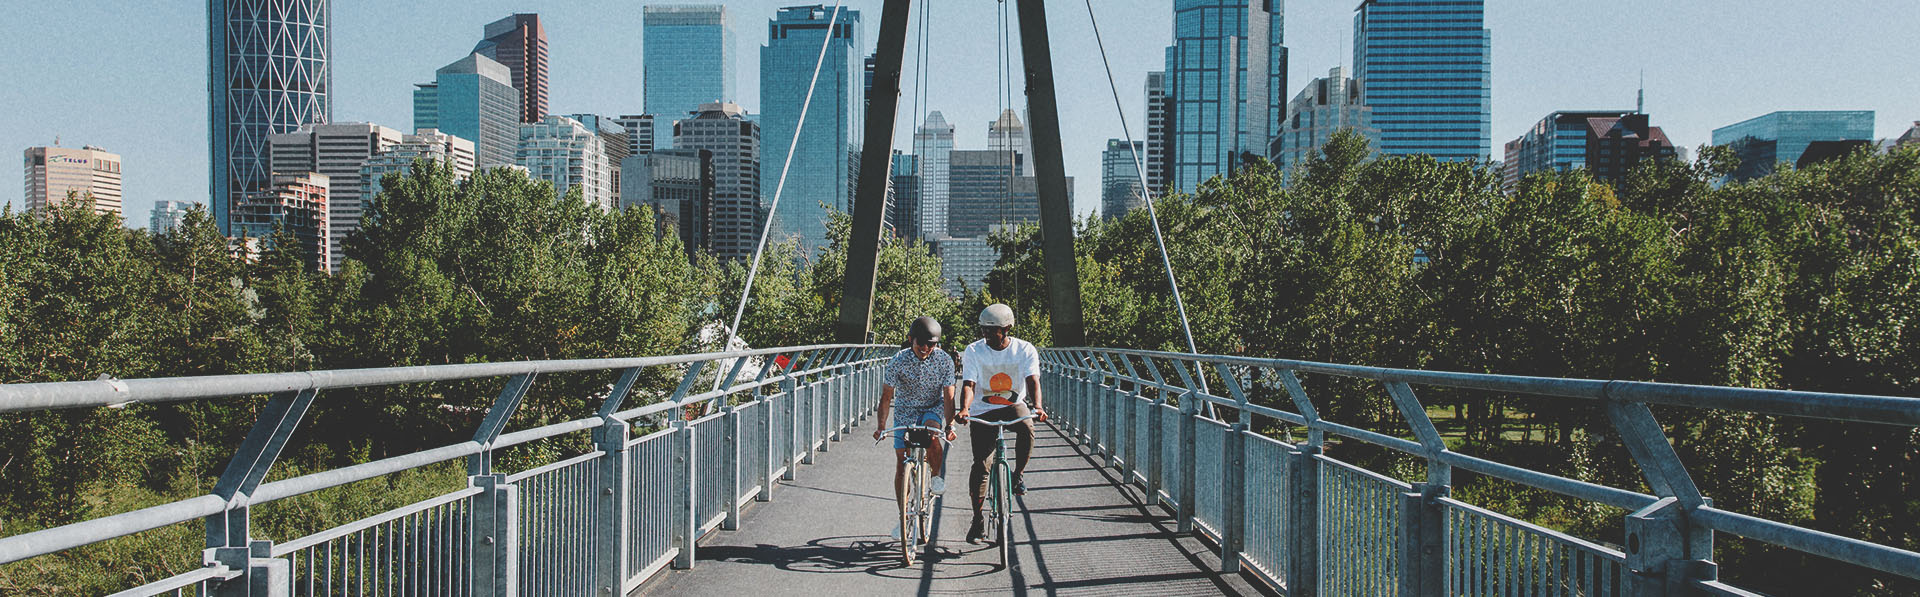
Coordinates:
(1077, 532)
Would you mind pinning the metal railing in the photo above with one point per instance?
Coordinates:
(599, 523)
(1316, 525)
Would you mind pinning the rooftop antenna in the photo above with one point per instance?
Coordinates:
(1640, 104)
(56, 140)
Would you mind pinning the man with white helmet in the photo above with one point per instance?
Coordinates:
(1005, 372)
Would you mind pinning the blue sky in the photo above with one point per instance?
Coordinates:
(95, 72)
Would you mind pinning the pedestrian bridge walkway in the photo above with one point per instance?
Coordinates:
(1154, 476)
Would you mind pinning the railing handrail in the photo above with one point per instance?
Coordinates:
(119, 392)
(1863, 408)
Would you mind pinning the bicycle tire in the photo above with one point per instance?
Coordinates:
(909, 527)
(927, 506)
(1004, 517)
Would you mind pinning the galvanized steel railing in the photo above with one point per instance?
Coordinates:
(598, 523)
(1318, 526)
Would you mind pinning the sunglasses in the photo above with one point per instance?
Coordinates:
(926, 342)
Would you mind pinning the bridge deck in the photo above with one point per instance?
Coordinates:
(1077, 532)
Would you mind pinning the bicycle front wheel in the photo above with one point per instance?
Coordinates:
(909, 515)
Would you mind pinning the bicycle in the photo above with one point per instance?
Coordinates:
(916, 502)
(1000, 489)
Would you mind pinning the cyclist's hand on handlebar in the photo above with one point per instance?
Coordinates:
(876, 435)
(1040, 415)
(951, 435)
(960, 418)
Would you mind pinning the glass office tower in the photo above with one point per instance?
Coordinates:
(268, 73)
(1226, 101)
(689, 60)
(826, 160)
(1764, 141)
(473, 98)
(1425, 68)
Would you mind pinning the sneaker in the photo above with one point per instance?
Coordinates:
(1019, 485)
(895, 533)
(939, 485)
(978, 531)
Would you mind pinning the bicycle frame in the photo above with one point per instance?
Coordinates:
(1000, 488)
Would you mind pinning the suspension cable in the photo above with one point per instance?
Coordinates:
(766, 229)
(1146, 193)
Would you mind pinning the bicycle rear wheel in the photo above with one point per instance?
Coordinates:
(1002, 508)
(909, 515)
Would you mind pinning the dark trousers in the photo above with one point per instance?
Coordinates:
(983, 436)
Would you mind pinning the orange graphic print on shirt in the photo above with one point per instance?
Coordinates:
(1000, 389)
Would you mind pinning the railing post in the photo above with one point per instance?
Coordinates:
(764, 477)
(1233, 494)
(1132, 442)
(1189, 421)
(610, 506)
(1423, 532)
(1156, 432)
(686, 521)
(836, 384)
(496, 537)
(1303, 567)
(809, 394)
(730, 484)
(791, 399)
(261, 575)
(1660, 548)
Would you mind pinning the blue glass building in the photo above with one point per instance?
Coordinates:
(826, 160)
(689, 56)
(269, 73)
(1219, 112)
(1766, 140)
(473, 98)
(1425, 67)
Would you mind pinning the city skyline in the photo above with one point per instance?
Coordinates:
(153, 108)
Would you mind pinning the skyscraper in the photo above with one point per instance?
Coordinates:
(1764, 141)
(268, 73)
(53, 172)
(641, 137)
(903, 196)
(1323, 107)
(168, 215)
(562, 151)
(1426, 69)
(426, 144)
(1158, 127)
(614, 141)
(826, 158)
(296, 203)
(1225, 95)
(677, 185)
(933, 142)
(722, 128)
(689, 55)
(1120, 190)
(1007, 134)
(336, 150)
(984, 193)
(1605, 143)
(473, 99)
(520, 43)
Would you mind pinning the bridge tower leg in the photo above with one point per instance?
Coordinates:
(876, 162)
(1056, 209)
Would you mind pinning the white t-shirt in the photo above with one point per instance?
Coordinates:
(999, 376)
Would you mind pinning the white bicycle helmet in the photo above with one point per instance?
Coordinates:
(997, 315)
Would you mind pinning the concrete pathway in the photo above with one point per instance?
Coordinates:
(1076, 532)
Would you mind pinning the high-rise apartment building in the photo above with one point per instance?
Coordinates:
(269, 72)
(724, 130)
(1607, 144)
(520, 43)
(427, 144)
(678, 186)
(1325, 106)
(825, 161)
(1008, 134)
(903, 196)
(689, 56)
(473, 99)
(167, 216)
(562, 151)
(1158, 126)
(933, 142)
(613, 139)
(88, 173)
(641, 136)
(984, 193)
(296, 203)
(1425, 68)
(336, 150)
(1764, 141)
(1120, 190)
(1227, 75)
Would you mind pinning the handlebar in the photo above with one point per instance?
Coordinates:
(999, 423)
(884, 432)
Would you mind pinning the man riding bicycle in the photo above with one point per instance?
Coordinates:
(918, 391)
(994, 366)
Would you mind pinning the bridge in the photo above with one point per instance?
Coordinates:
(1145, 482)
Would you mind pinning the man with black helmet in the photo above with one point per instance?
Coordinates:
(918, 391)
(1005, 372)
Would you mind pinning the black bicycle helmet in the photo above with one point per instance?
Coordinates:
(925, 329)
